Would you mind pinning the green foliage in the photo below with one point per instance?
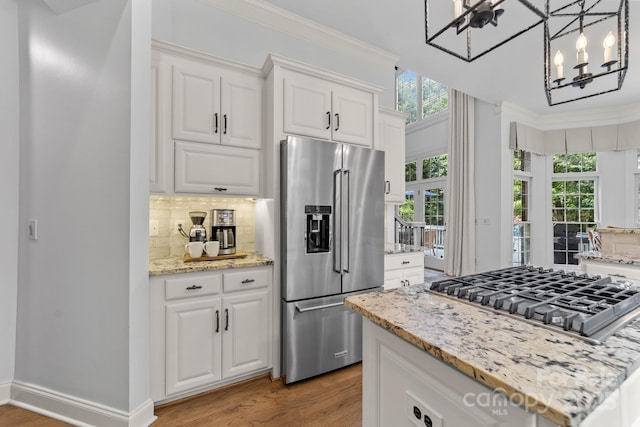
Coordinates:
(406, 210)
(410, 172)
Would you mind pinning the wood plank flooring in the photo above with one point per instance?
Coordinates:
(333, 399)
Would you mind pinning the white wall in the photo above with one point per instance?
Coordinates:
(199, 26)
(9, 125)
(84, 176)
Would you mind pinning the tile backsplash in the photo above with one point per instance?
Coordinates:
(169, 211)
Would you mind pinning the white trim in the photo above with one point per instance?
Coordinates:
(5, 393)
(191, 54)
(77, 411)
(287, 22)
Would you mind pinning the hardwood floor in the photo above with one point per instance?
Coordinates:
(333, 399)
(12, 416)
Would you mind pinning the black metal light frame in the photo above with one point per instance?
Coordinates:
(622, 15)
(475, 10)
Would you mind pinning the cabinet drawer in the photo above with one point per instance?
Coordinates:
(245, 280)
(413, 259)
(414, 276)
(186, 287)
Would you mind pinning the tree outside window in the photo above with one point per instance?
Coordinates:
(419, 96)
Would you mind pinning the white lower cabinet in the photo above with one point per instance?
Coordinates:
(208, 329)
(194, 342)
(403, 269)
(402, 385)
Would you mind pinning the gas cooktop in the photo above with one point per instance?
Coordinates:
(589, 307)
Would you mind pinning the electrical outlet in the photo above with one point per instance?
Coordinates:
(154, 226)
(420, 414)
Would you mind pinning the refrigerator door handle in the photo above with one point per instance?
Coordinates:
(319, 307)
(337, 223)
(345, 219)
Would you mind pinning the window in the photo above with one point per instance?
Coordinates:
(573, 206)
(521, 197)
(406, 210)
(521, 224)
(419, 96)
(410, 172)
(434, 167)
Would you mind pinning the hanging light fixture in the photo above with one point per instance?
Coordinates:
(574, 23)
(469, 29)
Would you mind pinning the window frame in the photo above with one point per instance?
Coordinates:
(419, 99)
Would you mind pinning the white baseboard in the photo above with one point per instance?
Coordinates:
(76, 411)
(5, 392)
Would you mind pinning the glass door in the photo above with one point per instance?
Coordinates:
(433, 201)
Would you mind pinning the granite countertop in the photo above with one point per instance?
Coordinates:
(597, 256)
(175, 264)
(561, 377)
(398, 248)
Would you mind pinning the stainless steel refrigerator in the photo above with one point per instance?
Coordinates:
(332, 246)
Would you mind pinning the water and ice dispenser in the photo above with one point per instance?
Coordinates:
(318, 229)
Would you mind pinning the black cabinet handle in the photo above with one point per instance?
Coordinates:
(328, 119)
(194, 287)
(216, 123)
(226, 319)
(337, 121)
(245, 281)
(221, 189)
(217, 321)
(406, 262)
(225, 125)
(387, 187)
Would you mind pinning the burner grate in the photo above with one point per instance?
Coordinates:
(567, 301)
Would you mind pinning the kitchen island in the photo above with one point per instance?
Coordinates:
(428, 359)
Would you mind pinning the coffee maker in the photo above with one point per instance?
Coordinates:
(223, 229)
(197, 233)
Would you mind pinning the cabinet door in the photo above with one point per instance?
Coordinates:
(245, 345)
(216, 169)
(392, 135)
(393, 279)
(307, 106)
(352, 116)
(193, 344)
(196, 103)
(160, 116)
(241, 122)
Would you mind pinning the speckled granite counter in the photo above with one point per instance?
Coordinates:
(560, 377)
(398, 248)
(597, 256)
(175, 264)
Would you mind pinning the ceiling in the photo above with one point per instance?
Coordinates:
(513, 73)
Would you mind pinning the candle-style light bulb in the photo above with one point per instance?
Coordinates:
(558, 60)
(582, 56)
(457, 8)
(608, 43)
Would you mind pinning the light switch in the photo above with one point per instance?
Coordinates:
(32, 230)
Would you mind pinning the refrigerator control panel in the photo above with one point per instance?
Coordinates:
(317, 235)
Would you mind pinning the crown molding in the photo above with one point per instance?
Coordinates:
(287, 22)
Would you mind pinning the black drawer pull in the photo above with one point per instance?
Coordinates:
(220, 189)
(245, 281)
(194, 287)
(406, 262)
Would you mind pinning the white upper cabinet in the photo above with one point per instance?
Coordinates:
(216, 169)
(216, 106)
(391, 140)
(319, 108)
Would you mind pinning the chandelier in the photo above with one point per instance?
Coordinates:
(468, 29)
(570, 26)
